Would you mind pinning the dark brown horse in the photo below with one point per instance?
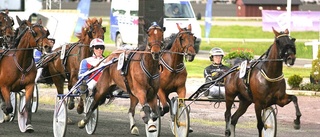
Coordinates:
(18, 70)
(141, 81)
(174, 74)
(264, 85)
(68, 67)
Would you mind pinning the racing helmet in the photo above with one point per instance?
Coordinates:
(215, 52)
(96, 41)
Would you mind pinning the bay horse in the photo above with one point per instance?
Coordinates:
(174, 74)
(141, 81)
(264, 84)
(68, 67)
(18, 70)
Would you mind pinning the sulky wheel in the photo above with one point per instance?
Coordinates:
(93, 120)
(22, 114)
(181, 119)
(35, 99)
(270, 122)
(60, 118)
(1, 116)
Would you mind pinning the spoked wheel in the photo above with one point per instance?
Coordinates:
(181, 124)
(1, 112)
(13, 98)
(35, 99)
(22, 113)
(60, 118)
(270, 122)
(93, 120)
(157, 124)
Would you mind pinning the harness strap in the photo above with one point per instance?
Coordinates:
(271, 79)
(22, 70)
(162, 61)
(147, 72)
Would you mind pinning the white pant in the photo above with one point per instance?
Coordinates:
(39, 72)
(91, 84)
(214, 91)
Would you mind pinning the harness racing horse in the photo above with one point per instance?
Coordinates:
(141, 81)
(174, 75)
(6, 30)
(264, 84)
(68, 66)
(18, 71)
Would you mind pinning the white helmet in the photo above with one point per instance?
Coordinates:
(96, 41)
(216, 52)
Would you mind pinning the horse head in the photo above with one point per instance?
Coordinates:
(186, 39)
(93, 29)
(38, 32)
(286, 46)
(155, 40)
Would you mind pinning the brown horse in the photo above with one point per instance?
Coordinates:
(6, 30)
(141, 81)
(174, 75)
(264, 85)
(18, 70)
(68, 67)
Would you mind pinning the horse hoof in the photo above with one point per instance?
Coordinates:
(71, 105)
(7, 118)
(190, 130)
(80, 109)
(29, 128)
(81, 124)
(152, 129)
(134, 131)
(295, 126)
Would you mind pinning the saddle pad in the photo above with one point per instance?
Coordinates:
(63, 51)
(121, 61)
(243, 68)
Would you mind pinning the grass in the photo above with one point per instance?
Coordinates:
(195, 69)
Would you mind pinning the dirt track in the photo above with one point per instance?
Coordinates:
(205, 119)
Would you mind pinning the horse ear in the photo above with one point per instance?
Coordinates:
(178, 26)
(275, 32)
(39, 22)
(19, 20)
(189, 27)
(100, 21)
(286, 31)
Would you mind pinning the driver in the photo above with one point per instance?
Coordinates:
(213, 71)
(97, 46)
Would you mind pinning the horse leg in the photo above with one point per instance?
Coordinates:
(260, 123)
(29, 95)
(6, 107)
(154, 115)
(287, 99)
(163, 99)
(243, 106)
(131, 112)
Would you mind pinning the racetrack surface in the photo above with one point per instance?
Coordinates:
(205, 119)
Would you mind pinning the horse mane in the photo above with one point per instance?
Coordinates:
(82, 34)
(172, 38)
(170, 41)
